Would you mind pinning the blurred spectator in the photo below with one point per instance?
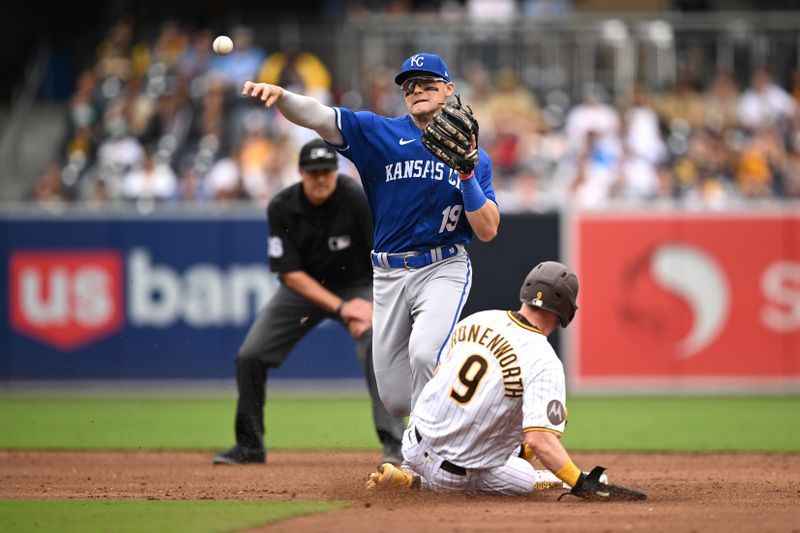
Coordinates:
(793, 167)
(638, 179)
(642, 133)
(224, 180)
(538, 8)
(703, 148)
(119, 152)
(295, 68)
(48, 187)
(683, 102)
(477, 89)
(513, 104)
(114, 54)
(196, 58)
(256, 151)
(171, 44)
(381, 95)
(170, 125)
(759, 172)
(525, 193)
(595, 116)
(596, 172)
(721, 102)
(764, 103)
(496, 11)
(515, 114)
(152, 180)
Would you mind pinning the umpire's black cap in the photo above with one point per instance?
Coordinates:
(316, 155)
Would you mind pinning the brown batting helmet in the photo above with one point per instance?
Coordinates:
(553, 287)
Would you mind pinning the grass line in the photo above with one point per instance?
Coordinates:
(124, 516)
(629, 423)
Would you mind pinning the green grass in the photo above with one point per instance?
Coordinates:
(181, 423)
(703, 423)
(122, 516)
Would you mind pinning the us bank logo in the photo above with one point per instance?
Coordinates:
(678, 294)
(68, 299)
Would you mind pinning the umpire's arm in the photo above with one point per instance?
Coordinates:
(312, 290)
(356, 313)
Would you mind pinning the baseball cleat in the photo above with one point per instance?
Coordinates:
(239, 455)
(391, 477)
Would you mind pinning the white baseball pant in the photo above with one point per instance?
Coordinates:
(516, 477)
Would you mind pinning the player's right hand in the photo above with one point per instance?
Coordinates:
(268, 94)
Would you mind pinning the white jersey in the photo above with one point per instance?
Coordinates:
(498, 378)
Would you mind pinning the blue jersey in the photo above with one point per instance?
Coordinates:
(414, 197)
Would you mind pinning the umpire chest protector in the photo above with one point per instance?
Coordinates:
(330, 242)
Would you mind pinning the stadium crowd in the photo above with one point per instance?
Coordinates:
(164, 121)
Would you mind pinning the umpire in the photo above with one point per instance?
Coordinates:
(320, 237)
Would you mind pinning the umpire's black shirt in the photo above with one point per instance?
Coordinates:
(330, 242)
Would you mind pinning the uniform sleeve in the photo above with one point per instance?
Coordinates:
(484, 174)
(282, 250)
(544, 400)
(364, 217)
(355, 128)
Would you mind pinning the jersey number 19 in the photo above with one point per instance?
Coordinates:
(450, 217)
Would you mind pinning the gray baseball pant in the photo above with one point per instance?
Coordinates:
(280, 325)
(413, 315)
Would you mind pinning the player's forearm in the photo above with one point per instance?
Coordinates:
(484, 221)
(552, 454)
(310, 113)
(312, 290)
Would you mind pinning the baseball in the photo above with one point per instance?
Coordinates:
(223, 45)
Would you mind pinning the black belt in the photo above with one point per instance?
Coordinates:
(414, 259)
(447, 466)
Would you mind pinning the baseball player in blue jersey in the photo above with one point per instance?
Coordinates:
(423, 211)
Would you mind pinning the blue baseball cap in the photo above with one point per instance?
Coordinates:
(421, 64)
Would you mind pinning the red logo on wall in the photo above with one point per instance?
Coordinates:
(66, 299)
(688, 297)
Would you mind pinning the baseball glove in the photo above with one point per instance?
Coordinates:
(589, 487)
(449, 134)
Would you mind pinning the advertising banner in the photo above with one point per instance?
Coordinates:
(143, 297)
(687, 299)
(171, 297)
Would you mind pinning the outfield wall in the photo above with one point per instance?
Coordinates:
(669, 301)
(170, 295)
(687, 300)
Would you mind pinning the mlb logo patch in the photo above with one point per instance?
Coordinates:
(66, 299)
(342, 242)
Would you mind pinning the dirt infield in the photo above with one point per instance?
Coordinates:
(686, 492)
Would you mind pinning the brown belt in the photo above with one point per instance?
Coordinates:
(447, 466)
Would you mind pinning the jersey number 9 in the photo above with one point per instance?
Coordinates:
(470, 376)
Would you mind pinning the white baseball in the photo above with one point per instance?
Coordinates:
(223, 45)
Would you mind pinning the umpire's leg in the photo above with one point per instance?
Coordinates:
(389, 428)
(278, 327)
